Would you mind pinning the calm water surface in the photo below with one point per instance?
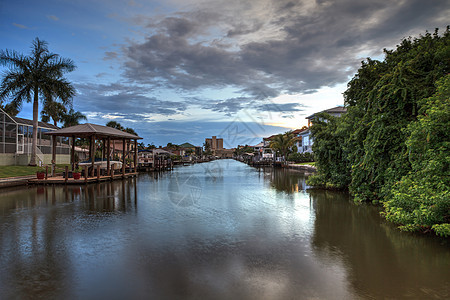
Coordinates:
(219, 230)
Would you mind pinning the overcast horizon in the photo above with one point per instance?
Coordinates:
(181, 71)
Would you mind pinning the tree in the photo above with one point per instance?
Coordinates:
(329, 152)
(391, 145)
(11, 109)
(420, 201)
(207, 148)
(53, 110)
(72, 118)
(141, 146)
(283, 143)
(118, 126)
(115, 125)
(130, 130)
(34, 77)
(383, 98)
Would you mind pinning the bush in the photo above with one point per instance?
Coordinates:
(301, 157)
(420, 201)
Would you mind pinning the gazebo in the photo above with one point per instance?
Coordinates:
(94, 132)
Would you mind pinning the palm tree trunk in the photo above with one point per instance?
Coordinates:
(35, 127)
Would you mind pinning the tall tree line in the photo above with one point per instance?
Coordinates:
(369, 150)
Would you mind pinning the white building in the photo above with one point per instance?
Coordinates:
(306, 139)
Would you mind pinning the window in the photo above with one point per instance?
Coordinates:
(305, 140)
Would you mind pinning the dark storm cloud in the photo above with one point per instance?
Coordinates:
(276, 107)
(284, 46)
(115, 97)
(228, 106)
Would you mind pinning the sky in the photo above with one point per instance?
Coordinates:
(183, 70)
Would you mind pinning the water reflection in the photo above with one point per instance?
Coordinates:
(37, 226)
(289, 181)
(381, 261)
(250, 234)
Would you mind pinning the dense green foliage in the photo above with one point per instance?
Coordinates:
(329, 153)
(301, 157)
(371, 149)
(421, 199)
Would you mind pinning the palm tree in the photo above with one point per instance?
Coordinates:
(39, 75)
(283, 143)
(11, 109)
(72, 118)
(130, 131)
(53, 110)
(115, 125)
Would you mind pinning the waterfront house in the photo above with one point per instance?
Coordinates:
(298, 137)
(306, 138)
(16, 140)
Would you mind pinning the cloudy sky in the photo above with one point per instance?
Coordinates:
(183, 70)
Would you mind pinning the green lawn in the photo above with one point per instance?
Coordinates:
(307, 163)
(14, 171)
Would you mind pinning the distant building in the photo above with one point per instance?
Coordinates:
(217, 149)
(306, 139)
(214, 143)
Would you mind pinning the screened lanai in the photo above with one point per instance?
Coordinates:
(16, 138)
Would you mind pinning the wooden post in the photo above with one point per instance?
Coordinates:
(72, 157)
(53, 154)
(108, 159)
(46, 172)
(103, 148)
(112, 172)
(123, 158)
(135, 156)
(66, 175)
(92, 155)
(85, 173)
(113, 150)
(128, 148)
(98, 172)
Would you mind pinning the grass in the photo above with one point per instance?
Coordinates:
(306, 163)
(15, 171)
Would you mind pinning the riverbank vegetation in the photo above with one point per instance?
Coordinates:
(392, 146)
(300, 157)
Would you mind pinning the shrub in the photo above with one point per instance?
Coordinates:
(301, 157)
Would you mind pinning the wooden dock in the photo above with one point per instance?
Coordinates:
(82, 180)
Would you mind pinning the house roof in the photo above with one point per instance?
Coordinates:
(270, 137)
(297, 131)
(187, 145)
(30, 123)
(304, 132)
(88, 129)
(334, 110)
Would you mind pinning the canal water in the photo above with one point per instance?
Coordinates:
(218, 230)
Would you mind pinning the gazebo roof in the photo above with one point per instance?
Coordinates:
(88, 129)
